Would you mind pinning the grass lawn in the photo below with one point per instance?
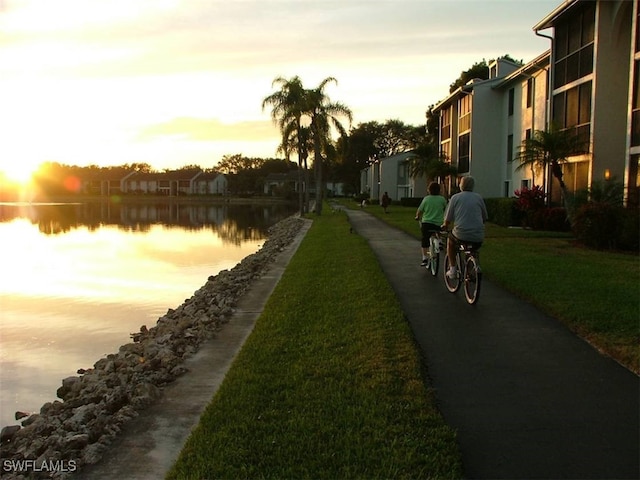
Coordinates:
(595, 293)
(329, 384)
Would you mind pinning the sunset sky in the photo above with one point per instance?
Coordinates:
(171, 82)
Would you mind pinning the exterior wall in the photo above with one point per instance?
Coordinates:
(530, 106)
(365, 180)
(487, 130)
(596, 65)
(487, 141)
(394, 177)
(388, 178)
(418, 187)
(632, 170)
(611, 92)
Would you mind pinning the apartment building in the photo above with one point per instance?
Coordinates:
(391, 175)
(474, 130)
(588, 82)
(594, 55)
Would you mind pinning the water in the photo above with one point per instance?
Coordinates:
(77, 279)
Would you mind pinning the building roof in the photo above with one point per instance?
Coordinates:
(169, 175)
(400, 156)
(538, 63)
(550, 19)
(105, 174)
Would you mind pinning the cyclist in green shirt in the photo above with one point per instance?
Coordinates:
(430, 213)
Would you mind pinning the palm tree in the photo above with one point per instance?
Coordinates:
(431, 163)
(288, 106)
(549, 149)
(324, 114)
(300, 141)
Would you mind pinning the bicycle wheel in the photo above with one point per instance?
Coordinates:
(452, 284)
(435, 258)
(472, 279)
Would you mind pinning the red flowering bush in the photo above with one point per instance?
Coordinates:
(530, 199)
(530, 202)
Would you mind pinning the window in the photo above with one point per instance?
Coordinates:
(445, 123)
(511, 101)
(635, 115)
(403, 173)
(464, 153)
(464, 112)
(446, 150)
(572, 110)
(530, 92)
(633, 193)
(510, 156)
(574, 46)
(638, 32)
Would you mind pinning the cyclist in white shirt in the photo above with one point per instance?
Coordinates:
(467, 212)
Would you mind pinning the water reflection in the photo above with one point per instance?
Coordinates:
(77, 279)
(233, 223)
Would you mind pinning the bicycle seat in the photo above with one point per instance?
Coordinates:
(471, 246)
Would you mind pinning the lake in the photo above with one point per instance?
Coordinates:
(78, 278)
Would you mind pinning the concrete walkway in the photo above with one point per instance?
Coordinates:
(528, 398)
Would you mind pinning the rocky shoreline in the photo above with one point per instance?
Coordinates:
(67, 434)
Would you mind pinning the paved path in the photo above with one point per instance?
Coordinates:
(528, 398)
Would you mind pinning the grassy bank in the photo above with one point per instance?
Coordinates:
(329, 384)
(595, 293)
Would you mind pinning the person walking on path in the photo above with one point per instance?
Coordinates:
(385, 202)
(430, 214)
(467, 212)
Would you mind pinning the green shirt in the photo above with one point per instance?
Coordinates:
(432, 208)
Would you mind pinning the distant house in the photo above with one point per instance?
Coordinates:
(275, 181)
(105, 181)
(210, 184)
(391, 175)
(171, 183)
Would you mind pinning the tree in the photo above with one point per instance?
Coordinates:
(548, 150)
(324, 115)
(397, 137)
(298, 139)
(288, 105)
(478, 70)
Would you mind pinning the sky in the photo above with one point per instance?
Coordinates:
(181, 82)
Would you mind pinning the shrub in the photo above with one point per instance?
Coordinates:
(606, 226)
(552, 219)
(529, 202)
(410, 201)
(503, 211)
(629, 238)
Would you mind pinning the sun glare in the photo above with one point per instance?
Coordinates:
(18, 173)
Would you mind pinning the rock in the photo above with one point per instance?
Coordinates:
(19, 415)
(76, 442)
(69, 384)
(8, 432)
(30, 419)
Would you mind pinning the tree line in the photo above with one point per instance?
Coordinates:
(307, 119)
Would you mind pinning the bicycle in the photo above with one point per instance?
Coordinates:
(433, 255)
(468, 272)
